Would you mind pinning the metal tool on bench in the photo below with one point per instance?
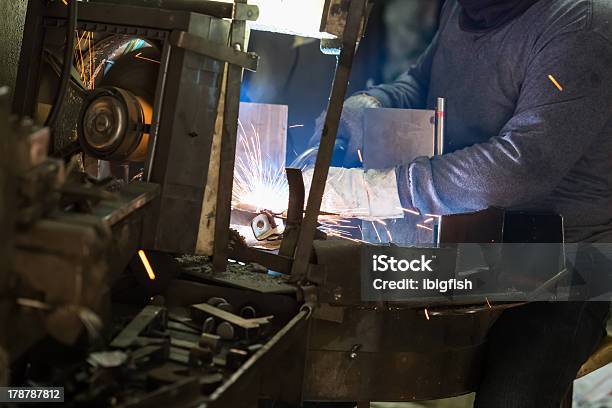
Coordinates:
(150, 318)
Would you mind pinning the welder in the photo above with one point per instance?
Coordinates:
(528, 85)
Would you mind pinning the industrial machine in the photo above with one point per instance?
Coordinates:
(123, 281)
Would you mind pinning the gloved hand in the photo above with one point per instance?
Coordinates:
(361, 194)
(350, 132)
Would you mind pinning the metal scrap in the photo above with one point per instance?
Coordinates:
(139, 324)
(232, 318)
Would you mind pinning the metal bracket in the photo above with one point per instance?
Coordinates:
(246, 12)
(202, 46)
(295, 212)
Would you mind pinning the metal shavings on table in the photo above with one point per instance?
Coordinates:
(249, 276)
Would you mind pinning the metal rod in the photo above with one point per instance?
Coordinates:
(159, 99)
(295, 212)
(228, 149)
(211, 8)
(328, 138)
(440, 117)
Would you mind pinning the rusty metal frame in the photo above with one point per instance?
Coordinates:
(208, 48)
(356, 12)
(238, 39)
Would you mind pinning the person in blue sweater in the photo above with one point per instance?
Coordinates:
(528, 85)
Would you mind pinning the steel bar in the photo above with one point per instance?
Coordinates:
(328, 138)
(211, 49)
(295, 212)
(228, 149)
(131, 332)
(232, 318)
(440, 118)
(159, 98)
(212, 8)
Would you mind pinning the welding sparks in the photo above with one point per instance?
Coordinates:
(139, 56)
(428, 220)
(389, 234)
(554, 81)
(424, 227)
(409, 211)
(360, 156)
(295, 126)
(90, 42)
(147, 265)
(258, 182)
(488, 303)
(376, 230)
(426, 313)
(81, 57)
(336, 227)
(87, 74)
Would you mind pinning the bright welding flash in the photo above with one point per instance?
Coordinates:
(147, 265)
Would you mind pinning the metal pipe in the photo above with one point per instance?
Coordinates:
(440, 117)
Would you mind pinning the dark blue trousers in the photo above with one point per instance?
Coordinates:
(534, 352)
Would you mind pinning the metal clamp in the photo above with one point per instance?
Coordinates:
(202, 46)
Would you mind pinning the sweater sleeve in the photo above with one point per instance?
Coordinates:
(564, 103)
(409, 91)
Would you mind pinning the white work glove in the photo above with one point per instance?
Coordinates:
(367, 195)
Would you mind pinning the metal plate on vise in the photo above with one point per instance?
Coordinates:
(393, 137)
(397, 136)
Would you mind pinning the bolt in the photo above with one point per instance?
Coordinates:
(338, 294)
(354, 350)
(102, 122)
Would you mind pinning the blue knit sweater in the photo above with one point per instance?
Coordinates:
(529, 116)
